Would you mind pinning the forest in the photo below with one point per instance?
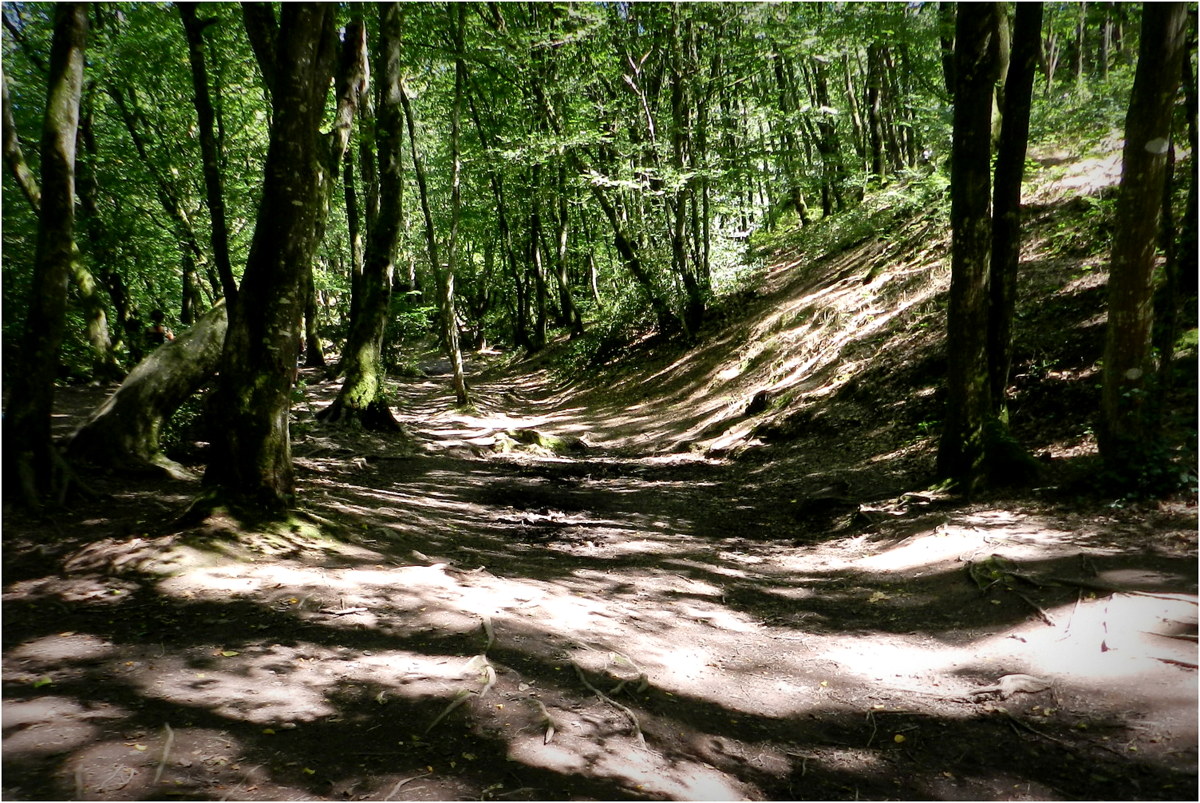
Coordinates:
(635, 400)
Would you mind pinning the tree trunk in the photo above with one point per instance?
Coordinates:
(362, 400)
(445, 280)
(104, 362)
(314, 352)
(1006, 209)
(566, 300)
(213, 185)
(1127, 435)
(29, 454)
(946, 37)
(251, 462)
(123, 433)
(961, 451)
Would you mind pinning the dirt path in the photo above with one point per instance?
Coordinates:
(602, 623)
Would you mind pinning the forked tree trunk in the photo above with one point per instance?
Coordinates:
(250, 463)
(29, 456)
(123, 433)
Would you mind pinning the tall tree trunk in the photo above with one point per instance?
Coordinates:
(213, 185)
(314, 352)
(362, 399)
(29, 453)
(251, 463)
(875, 81)
(961, 452)
(1078, 56)
(1128, 437)
(946, 37)
(1006, 207)
(1189, 275)
(104, 362)
(536, 265)
(445, 279)
(565, 298)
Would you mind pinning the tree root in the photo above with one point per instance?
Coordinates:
(637, 726)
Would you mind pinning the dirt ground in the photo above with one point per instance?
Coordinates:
(498, 621)
(711, 574)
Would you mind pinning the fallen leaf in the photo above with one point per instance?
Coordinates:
(898, 738)
(37, 684)
(229, 653)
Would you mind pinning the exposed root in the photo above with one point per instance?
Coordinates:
(637, 726)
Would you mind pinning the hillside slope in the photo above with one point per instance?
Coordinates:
(844, 335)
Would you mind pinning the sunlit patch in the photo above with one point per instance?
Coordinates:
(48, 725)
(62, 648)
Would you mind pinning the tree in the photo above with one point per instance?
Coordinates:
(213, 184)
(361, 398)
(445, 277)
(30, 457)
(250, 464)
(1128, 436)
(1006, 207)
(961, 453)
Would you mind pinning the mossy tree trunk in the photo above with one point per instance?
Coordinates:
(29, 456)
(361, 398)
(976, 62)
(1128, 435)
(104, 360)
(251, 462)
(123, 433)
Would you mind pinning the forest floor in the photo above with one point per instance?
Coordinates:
(714, 576)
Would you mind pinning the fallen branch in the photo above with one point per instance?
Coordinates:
(342, 611)
(162, 764)
(404, 781)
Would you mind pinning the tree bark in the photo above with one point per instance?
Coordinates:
(361, 400)
(1128, 437)
(445, 279)
(961, 451)
(209, 151)
(29, 454)
(1006, 207)
(104, 361)
(251, 464)
(123, 433)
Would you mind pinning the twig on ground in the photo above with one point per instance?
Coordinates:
(403, 781)
(547, 721)
(170, 740)
(491, 634)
